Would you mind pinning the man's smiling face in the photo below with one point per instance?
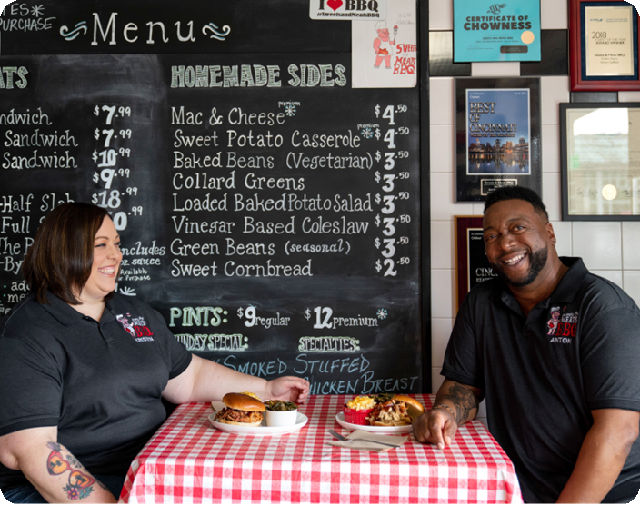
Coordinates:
(517, 240)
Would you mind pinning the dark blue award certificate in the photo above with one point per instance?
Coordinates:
(498, 131)
(497, 135)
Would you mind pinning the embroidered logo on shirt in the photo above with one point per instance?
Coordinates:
(136, 327)
(562, 325)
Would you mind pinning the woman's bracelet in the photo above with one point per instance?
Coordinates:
(442, 405)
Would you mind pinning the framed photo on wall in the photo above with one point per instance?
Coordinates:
(603, 46)
(497, 136)
(472, 265)
(600, 159)
(485, 30)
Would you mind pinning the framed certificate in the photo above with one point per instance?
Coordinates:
(600, 151)
(472, 265)
(497, 136)
(484, 30)
(603, 45)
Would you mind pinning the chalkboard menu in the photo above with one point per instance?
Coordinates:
(267, 208)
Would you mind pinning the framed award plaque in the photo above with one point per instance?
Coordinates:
(600, 159)
(472, 265)
(497, 136)
(603, 46)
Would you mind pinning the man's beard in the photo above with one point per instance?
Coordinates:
(537, 261)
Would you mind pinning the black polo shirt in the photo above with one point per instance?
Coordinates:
(543, 374)
(100, 383)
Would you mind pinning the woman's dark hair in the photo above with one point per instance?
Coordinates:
(61, 256)
(516, 193)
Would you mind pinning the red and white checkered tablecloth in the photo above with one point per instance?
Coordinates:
(188, 461)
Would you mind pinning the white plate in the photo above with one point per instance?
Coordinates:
(378, 429)
(257, 431)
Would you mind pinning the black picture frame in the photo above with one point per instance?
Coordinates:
(600, 180)
(483, 167)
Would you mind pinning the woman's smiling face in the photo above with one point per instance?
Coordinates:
(106, 263)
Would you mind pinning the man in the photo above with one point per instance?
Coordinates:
(554, 350)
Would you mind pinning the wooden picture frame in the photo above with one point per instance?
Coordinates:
(600, 161)
(601, 60)
(472, 265)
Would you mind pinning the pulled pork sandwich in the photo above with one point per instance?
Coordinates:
(399, 410)
(241, 409)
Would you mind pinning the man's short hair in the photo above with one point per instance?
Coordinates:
(517, 193)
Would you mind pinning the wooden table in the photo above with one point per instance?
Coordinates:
(188, 461)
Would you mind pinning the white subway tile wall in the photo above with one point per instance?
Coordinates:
(550, 148)
(599, 244)
(554, 91)
(442, 148)
(631, 279)
(631, 246)
(614, 276)
(629, 96)
(507, 69)
(441, 327)
(610, 249)
(554, 14)
(552, 196)
(440, 15)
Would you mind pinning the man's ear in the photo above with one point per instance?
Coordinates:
(551, 233)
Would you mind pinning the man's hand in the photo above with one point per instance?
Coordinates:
(455, 404)
(293, 389)
(437, 427)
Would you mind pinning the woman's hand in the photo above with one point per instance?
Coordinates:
(293, 389)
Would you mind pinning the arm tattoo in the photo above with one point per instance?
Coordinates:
(464, 401)
(75, 462)
(80, 483)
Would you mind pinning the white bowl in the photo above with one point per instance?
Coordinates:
(280, 418)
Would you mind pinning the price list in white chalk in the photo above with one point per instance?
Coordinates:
(112, 158)
(392, 238)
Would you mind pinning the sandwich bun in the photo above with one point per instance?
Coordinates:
(237, 423)
(240, 401)
(409, 402)
(413, 409)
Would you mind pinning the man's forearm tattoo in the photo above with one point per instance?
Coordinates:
(464, 401)
(80, 483)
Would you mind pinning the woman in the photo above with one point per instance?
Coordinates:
(83, 370)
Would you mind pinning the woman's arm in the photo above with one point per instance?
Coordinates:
(205, 380)
(57, 475)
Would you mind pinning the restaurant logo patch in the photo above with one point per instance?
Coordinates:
(562, 325)
(136, 327)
